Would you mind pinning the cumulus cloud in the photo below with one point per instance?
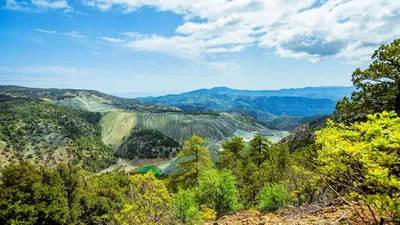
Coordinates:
(311, 29)
(74, 34)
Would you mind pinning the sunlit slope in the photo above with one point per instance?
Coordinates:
(180, 126)
(117, 125)
(87, 101)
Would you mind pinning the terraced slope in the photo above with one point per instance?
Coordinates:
(180, 127)
(116, 126)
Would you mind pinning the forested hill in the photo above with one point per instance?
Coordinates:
(85, 99)
(330, 92)
(50, 134)
(261, 105)
(333, 92)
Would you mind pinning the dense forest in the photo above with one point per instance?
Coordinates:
(353, 157)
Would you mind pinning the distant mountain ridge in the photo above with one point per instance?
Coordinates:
(329, 92)
(90, 100)
(262, 104)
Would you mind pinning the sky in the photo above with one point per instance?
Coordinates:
(172, 46)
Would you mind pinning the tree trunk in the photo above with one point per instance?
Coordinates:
(382, 221)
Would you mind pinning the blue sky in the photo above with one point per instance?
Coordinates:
(169, 46)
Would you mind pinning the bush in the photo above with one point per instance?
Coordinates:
(149, 201)
(217, 190)
(184, 207)
(273, 197)
(362, 159)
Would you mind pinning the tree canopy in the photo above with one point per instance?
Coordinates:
(194, 158)
(378, 86)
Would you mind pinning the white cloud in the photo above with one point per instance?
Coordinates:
(182, 47)
(135, 35)
(113, 40)
(47, 31)
(36, 5)
(311, 29)
(58, 4)
(74, 34)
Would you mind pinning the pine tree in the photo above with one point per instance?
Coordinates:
(194, 158)
(378, 87)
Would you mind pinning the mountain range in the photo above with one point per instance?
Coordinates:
(263, 105)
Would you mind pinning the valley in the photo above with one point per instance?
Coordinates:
(118, 121)
(200, 112)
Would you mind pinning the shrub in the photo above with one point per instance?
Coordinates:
(363, 160)
(273, 197)
(149, 201)
(207, 213)
(184, 207)
(217, 190)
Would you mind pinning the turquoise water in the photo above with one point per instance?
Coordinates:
(146, 169)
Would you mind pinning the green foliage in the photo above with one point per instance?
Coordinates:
(363, 159)
(265, 163)
(254, 166)
(203, 113)
(304, 183)
(207, 213)
(145, 144)
(231, 157)
(259, 150)
(217, 191)
(273, 197)
(33, 195)
(185, 209)
(378, 86)
(103, 196)
(290, 122)
(194, 158)
(235, 145)
(27, 122)
(149, 201)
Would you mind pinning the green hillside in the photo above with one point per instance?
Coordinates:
(84, 99)
(50, 134)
